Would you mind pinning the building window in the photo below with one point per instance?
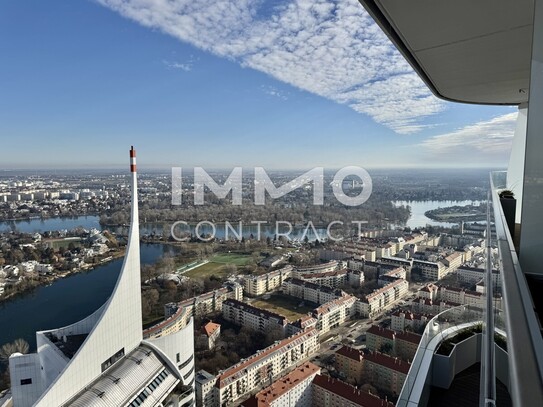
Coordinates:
(26, 381)
(186, 362)
(178, 358)
(112, 359)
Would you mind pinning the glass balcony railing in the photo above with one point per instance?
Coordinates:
(518, 323)
(525, 344)
(442, 326)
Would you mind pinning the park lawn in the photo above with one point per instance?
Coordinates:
(207, 270)
(216, 265)
(283, 305)
(63, 243)
(231, 258)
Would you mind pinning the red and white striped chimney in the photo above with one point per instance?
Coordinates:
(132, 159)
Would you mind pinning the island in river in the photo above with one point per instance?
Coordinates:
(455, 214)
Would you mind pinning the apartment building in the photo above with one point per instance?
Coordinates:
(400, 320)
(306, 387)
(328, 392)
(428, 291)
(204, 389)
(292, 390)
(423, 305)
(263, 367)
(382, 298)
(430, 270)
(385, 372)
(378, 339)
(318, 294)
(301, 324)
(407, 264)
(406, 344)
(454, 295)
(332, 265)
(257, 319)
(355, 278)
(258, 285)
(356, 264)
(178, 314)
(453, 261)
(333, 279)
(349, 362)
(210, 334)
(386, 276)
(347, 251)
(380, 370)
(333, 313)
(402, 344)
(473, 275)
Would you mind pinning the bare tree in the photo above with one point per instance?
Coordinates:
(17, 346)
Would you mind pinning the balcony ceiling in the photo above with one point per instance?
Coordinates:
(473, 51)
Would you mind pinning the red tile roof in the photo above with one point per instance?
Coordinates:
(409, 337)
(334, 304)
(267, 395)
(388, 362)
(411, 315)
(349, 392)
(384, 332)
(284, 345)
(210, 328)
(350, 353)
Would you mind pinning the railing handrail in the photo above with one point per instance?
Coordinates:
(525, 345)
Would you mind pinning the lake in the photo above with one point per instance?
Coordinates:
(418, 208)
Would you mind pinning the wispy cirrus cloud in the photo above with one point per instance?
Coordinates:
(273, 91)
(184, 66)
(488, 138)
(330, 48)
(178, 65)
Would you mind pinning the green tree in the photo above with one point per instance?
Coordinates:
(386, 348)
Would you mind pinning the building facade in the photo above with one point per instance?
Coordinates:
(73, 365)
(334, 313)
(264, 367)
(257, 319)
(306, 291)
(292, 390)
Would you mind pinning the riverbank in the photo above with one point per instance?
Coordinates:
(67, 300)
(45, 218)
(31, 284)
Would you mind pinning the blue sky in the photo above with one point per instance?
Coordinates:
(282, 84)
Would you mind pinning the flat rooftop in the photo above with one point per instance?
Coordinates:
(68, 344)
(464, 391)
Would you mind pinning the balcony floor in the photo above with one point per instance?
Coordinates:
(464, 391)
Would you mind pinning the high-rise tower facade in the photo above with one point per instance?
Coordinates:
(103, 360)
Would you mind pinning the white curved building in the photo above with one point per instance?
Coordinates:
(103, 360)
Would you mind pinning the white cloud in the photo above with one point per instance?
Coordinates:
(486, 138)
(273, 91)
(187, 67)
(330, 48)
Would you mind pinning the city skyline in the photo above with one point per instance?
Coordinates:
(292, 85)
